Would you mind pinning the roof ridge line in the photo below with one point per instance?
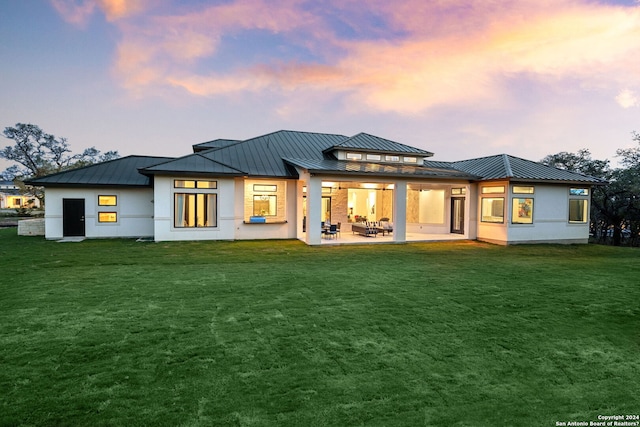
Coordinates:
(507, 165)
(220, 163)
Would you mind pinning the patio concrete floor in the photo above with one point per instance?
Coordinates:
(347, 238)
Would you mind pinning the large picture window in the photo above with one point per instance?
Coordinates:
(578, 211)
(195, 210)
(493, 209)
(522, 211)
(265, 205)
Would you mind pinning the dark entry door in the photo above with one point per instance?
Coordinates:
(457, 215)
(72, 217)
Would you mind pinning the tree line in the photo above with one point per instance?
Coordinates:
(615, 207)
(36, 153)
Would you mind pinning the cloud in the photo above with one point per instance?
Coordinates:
(404, 56)
(78, 12)
(627, 99)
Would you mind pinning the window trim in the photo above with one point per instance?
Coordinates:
(488, 221)
(270, 197)
(516, 208)
(493, 189)
(101, 221)
(195, 194)
(115, 197)
(523, 189)
(192, 184)
(585, 211)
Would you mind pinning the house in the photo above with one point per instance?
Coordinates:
(12, 198)
(286, 184)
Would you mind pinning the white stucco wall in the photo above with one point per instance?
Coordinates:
(134, 211)
(550, 218)
(164, 207)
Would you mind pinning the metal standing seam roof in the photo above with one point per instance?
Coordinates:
(504, 166)
(363, 168)
(260, 157)
(117, 172)
(274, 154)
(365, 142)
(216, 143)
(190, 164)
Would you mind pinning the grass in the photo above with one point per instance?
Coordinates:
(264, 333)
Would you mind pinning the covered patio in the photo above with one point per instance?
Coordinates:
(346, 237)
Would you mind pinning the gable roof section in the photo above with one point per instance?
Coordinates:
(504, 166)
(216, 143)
(365, 142)
(118, 172)
(340, 167)
(259, 157)
(192, 164)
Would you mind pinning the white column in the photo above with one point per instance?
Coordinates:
(400, 211)
(314, 207)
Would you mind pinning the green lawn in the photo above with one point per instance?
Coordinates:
(264, 333)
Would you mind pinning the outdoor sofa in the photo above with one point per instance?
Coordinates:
(366, 229)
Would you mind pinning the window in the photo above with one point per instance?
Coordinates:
(492, 209)
(458, 191)
(522, 211)
(517, 189)
(578, 191)
(107, 200)
(195, 210)
(392, 158)
(178, 183)
(410, 160)
(375, 157)
(265, 205)
(183, 184)
(577, 211)
(354, 156)
(262, 187)
(493, 190)
(107, 217)
(207, 184)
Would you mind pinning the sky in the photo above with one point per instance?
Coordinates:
(460, 78)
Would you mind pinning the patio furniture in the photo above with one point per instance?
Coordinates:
(384, 226)
(332, 231)
(364, 229)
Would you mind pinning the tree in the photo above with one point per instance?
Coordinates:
(614, 207)
(38, 154)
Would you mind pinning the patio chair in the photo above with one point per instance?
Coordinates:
(332, 231)
(338, 228)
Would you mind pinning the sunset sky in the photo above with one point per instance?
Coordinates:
(460, 78)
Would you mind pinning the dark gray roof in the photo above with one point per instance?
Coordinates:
(118, 172)
(365, 142)
(341, 167)
(261, 156)
(216, 143)
(278, 154)
(504, 166)
(192, 164)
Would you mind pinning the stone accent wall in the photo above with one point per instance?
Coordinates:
(31, 227)
(339, 209)
(280, 193)
(413, 206)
